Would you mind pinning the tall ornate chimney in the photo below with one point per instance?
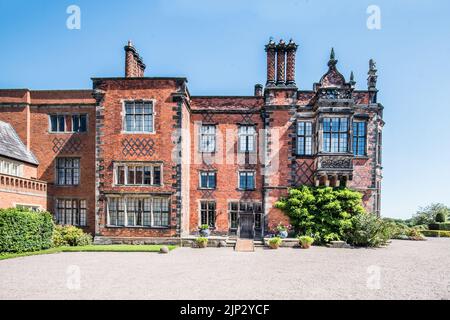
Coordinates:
(270, 49)
(281, 63)
(291, 50)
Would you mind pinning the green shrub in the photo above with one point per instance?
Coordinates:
(436, 233)
(70, 236)
(439, 226)
(275, 241)
(25, 231)
(202, 242)
(204, 227)
(440, 217)
(322, 212)
(306, 240)
(368, 230)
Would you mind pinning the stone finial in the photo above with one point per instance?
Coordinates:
(332, 62)
(352, 80)
(372, 78)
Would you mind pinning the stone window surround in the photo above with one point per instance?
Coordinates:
(123, 114)
(125, 197)
(117, 164)
(65, 168)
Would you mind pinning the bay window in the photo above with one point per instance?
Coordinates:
(335, 135)
(359, 138)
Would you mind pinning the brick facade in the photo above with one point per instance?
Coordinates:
(174, 144)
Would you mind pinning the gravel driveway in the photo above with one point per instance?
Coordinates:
(404, 270)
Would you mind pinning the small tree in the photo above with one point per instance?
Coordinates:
(429, 214)
(323, 212)
(440, 217)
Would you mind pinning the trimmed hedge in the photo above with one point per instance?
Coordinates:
(25, 231)
(439, 226)
(436, 233)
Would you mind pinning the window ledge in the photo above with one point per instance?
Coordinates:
(239, 189)
(136, 227)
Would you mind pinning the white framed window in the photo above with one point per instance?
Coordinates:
(71, 212)
(138, 174)
(139, 117)
(247, 138)
(134, 211)
(208, 179)
(246, 180)
(67, 171)
(11, 168)
(208, 138)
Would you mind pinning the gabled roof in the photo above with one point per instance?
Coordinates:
(12, 147)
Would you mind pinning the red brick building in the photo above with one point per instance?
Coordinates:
(141, 158)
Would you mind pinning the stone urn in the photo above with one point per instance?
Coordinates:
(205, 233)
(283, 234)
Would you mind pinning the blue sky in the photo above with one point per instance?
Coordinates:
(218, 45)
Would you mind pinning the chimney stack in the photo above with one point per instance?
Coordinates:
(290, 67)
(281, 63)
(258, 90)
(134, 65)
(270, 49)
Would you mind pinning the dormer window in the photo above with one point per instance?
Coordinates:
(335, 135)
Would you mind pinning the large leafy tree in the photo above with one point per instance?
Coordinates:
(322, 212)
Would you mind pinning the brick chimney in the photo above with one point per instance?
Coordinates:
(270, 49)
(291, 50)
(258, 90)
(281, 63)
(134, 65)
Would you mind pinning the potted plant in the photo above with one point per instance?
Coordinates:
(275, 242)
(202, 242)
(283, 230)
(204, 230)
(305, 241)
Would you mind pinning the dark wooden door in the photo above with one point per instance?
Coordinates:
(246, 226)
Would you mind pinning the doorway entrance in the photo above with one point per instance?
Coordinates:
(246, 225)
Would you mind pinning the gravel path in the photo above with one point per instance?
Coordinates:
(404, 270)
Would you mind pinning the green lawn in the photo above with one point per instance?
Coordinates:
(91, 248)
